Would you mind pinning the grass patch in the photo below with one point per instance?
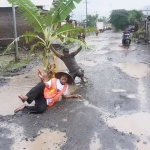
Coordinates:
(7, 67)
(13, 65)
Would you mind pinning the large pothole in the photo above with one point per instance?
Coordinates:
(136, 70)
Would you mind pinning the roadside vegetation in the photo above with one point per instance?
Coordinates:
(47, 27)
(122, 18)
(92, 19)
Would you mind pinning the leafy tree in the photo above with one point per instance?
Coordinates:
(103, 19)
(135, 16)
(47, 26)
(119, 18)
(122, 18)
(91, 20)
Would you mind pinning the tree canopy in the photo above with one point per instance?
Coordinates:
(121, 18)
(92, 19)
(135, 16)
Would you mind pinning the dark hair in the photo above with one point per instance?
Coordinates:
(65, 50)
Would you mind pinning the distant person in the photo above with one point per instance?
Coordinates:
(125, 33)
(97, 31)
(81, 36)
(69, 59)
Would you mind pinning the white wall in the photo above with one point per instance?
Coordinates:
(4, 3)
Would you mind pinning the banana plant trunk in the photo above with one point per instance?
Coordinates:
(49, 68)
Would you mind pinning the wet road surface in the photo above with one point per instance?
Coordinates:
(113, 113)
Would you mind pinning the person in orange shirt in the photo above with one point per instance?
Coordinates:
(46, 93)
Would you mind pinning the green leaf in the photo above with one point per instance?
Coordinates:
(29, 36)
(67, 28)
(38, 44)
(83, 44)
(71, 5)
(77, 1)
(61, 11)
(12, 45)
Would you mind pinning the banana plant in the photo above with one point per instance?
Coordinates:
(47, 27)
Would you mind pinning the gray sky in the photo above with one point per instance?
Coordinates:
(104, 7)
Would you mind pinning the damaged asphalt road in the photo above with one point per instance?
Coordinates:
(113, 113)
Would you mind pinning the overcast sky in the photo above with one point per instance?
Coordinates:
(104, 7)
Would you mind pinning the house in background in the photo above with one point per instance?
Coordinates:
(6, 20)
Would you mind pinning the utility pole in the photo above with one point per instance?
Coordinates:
(147, 10)
(15, 32)
(96, 16)
(86, 12)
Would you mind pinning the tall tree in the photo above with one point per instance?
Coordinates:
(91, 20)
(135, 16)
(103, 19)
(119, 18)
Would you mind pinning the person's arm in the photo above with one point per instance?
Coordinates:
(77, 51)
(66, 95)
(55, 52)
(43, 78)
(71, 96)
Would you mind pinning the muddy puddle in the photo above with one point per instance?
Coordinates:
(117, 47)
(21, 84)
(18, 85)
(5, 60)
(137, 124)
(131, 96)
(99, 45)
(88, 63)
(136, 70)
(142, 96)
(118, 90)
(101, 52)
(95, 143)
(47, 140)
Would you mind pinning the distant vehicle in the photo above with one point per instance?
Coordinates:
(131, 28)
(100, 26)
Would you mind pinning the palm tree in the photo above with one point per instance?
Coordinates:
(47, 27)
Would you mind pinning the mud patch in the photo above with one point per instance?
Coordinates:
(47, 140)
(116, 47)
(95, 143)
(72, 89)
(137, 124)
(131, 96)
(101, 52)
(18, 85)
(88, 63)
(142, 96)
(64, 120)
(3, 81)
(136, 70)
(118, 90)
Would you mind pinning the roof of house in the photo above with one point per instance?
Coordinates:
(46, 3)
